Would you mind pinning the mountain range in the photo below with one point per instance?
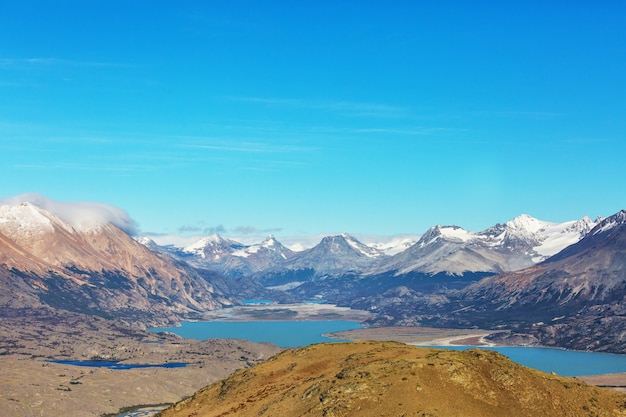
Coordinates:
(574, 299)
(449, 250)
(559, 284)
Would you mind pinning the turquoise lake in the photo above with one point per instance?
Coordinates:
(287, 333)
(304, 333)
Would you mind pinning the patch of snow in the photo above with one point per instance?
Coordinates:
(524, 222)
(270, 242)
(457, 233)
(198, 247)
(145, 240)
(247, 251)
(360, 247)
(286, 287)
(24, 218)
(393, 245)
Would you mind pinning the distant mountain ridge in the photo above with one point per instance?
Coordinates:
(574, 299)
(228, 256)
(516, 244)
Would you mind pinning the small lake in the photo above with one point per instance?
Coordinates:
(117, 365)
(286, 333)
(303, 333)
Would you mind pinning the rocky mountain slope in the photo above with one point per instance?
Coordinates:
(444, 259)
(391, 379)
(517, 244)
(576, 298)
(95, 267)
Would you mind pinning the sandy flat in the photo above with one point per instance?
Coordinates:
(420, 336)
(307, 311)
(614, 381)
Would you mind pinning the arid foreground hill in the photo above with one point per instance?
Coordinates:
(391, 379)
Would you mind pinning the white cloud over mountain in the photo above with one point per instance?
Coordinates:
(78, 213)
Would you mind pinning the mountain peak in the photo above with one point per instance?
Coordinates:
(273, 244)
(81, 216)
(346, 243)
(450, 233)
(270, 240)
(610, 223)
(24, 218)
(213, 246)
(525, 222)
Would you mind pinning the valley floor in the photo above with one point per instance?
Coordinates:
(30, 385)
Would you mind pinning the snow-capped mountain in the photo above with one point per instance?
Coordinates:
(257, 257)
(229, 257)
(544, 238)
(394, 245)
(616, 221)
(266, 254)
(334, 255)
(516, 244)
(574, 298)
(93, 265)
(213, 248)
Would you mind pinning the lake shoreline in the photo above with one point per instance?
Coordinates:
(417, 336)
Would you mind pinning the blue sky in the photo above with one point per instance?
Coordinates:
(299, 118)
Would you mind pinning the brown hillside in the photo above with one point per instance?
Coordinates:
(392, 379)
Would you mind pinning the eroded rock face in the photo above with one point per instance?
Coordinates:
(392, 379)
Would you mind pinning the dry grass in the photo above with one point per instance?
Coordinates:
(390, 379)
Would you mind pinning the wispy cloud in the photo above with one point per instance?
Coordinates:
(8, 63)
(415, 131)
(589, 141)
(258, 146)
(202, 228)
(248, 147)
(251, 230)
(78, 213)
(520, 114)
(83, 167)
(350, 108)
